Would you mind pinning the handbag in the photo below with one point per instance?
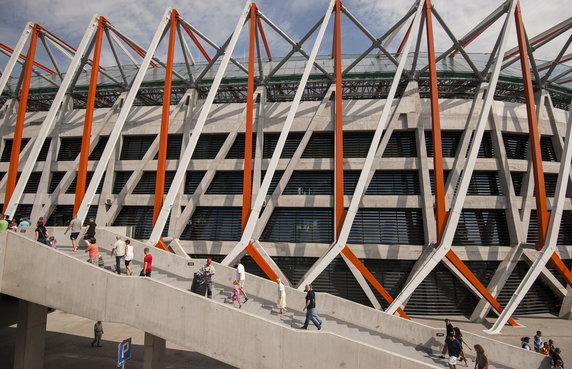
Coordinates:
(142, 274)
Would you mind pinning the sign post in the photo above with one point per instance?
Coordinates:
(123, 352)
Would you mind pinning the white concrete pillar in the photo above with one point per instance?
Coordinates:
(566, 308)
(154, 354)
(30, 336)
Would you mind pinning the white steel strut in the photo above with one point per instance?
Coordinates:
(15, 55)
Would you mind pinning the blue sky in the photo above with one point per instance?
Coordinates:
(217, 19)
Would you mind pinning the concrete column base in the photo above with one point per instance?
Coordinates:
(30, 336)
(154, 354)
(566, 309)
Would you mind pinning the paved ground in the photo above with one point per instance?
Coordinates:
(559, 330)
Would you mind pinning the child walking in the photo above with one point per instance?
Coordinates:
(53, 242)
(236, 294)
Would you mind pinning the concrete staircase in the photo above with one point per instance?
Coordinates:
(255, 336)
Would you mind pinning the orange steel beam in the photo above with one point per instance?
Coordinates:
(196, 41)
(533, 42)
(402, 44)
(10, 50)
(18, 129)
(263, 35)
(90, 105)
(471, 39)
(135, 48)
(542, 213)
(164, 133)
(247, 175)
(551, 64)
(453, 258)
(440, 207)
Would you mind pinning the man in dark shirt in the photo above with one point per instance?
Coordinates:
(454, 348)
(449, 327)
(310, 309)
(90, 231)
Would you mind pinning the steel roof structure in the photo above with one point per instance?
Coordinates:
(501, 74)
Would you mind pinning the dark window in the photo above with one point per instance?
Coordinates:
(319, 182)
(23, 211)
(299, 225)
(45, 148)
(547, 149)
(33, 182)
(385, 182)
(71, 188)
(517, 178)
(8, 148)
(321, 145)
(550, 181)
(55, 181)
(484, 184)
(146, 185)
(356, 144)
(209, 145)
(174, 144)
(387, 226)
(141, 218)
(121, 179)
(275, 179)
(449, 143)
(135, 147)
(516, 145)
(486, 148)
(482, 228)
(292, 142)
(402, 144)
(237, 149)
(432, 179)
(69, 148)
(62, 215)
(564, 234)
(226, 182)
(98, 149)
(193, 179)
(214, 223)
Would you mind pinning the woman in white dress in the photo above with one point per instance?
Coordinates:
(281, 296)
(128, 257)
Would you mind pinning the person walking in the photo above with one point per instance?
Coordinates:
(97, 333)
(3, 223)
(119, 252)
(75, 226)
(93, 250)
(236, 293)
(481, 361)
(128, 257)
(459, 337)
(449, 328)
(311, 309)
(240, 277)
(556, 357)
(454, 349)
(538, 343)
(24, 223)
(208, 271)
(147, 263)
(42, 234)
(90, 230)
(281, 296)
(551, 347)
(525, 343)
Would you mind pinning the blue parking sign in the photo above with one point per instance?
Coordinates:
(124, 352)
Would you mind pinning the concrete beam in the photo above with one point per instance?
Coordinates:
(31, 336)
(154, 352)
(566, 308)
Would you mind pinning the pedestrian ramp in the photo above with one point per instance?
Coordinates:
(254, 336)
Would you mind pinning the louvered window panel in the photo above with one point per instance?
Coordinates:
(484, 184)
(516, 145)
(33, 182)
(299, 225)
(485, 149)
(146, 185)
(135, 147)
(226, 183)
(98, 149)
(209, 145)
(89, 175)
(517, 178)
(45, 148)
(121, 178)
(23, 211)
(55, 181)
(387, 226)
(215, 224)
(480, 227)
(432, 179)
(69, 148)
(402, 144)
(192, 181)
(8, 148)
(62, 215)
(174, 144)
(449, 143)
(292, 142)
(318, 182)
(547, 149)
(385, 182)
(356, 144)
(564, 235)
(237, 149)
(141, 219)
(550, 181)
(321, 145)
(275, 179)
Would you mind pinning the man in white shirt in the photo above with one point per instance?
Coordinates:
(119, 251)
(75, 225)
(240, 277)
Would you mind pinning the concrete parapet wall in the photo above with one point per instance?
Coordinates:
(39, 274)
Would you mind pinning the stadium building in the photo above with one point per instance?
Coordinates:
(322, 168)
